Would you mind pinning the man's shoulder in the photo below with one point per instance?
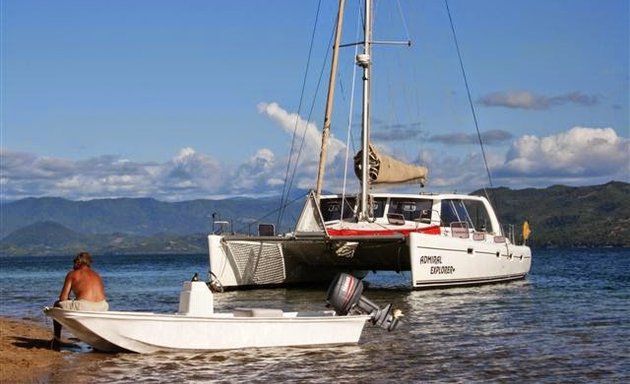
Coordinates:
(76, 273)
(88, 272)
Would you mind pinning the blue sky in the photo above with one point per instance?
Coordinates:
(199, 99)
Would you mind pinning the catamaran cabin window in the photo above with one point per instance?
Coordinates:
(410, 209)
(331, 208)
(378, 206)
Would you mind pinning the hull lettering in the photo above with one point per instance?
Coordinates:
(443, 270)
(430, 259)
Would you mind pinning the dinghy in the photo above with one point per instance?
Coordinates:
(196, 327)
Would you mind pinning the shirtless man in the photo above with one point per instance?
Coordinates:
(88, 290)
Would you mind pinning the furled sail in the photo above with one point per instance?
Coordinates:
(384, 169)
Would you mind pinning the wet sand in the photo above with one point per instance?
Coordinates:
(25, 355)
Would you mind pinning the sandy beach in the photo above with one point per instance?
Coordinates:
(26, 356)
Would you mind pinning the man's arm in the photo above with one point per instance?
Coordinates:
(67, 286)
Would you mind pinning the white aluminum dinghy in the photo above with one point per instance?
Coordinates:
(196, 327)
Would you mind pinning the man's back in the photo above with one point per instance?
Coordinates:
(86, 284)
(89, 292)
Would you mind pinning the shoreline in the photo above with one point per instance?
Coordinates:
(26, 356)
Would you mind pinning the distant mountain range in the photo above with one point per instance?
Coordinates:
(142, 216)
(559, 216)
(53, 226)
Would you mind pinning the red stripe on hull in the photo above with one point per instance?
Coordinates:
(433, 230)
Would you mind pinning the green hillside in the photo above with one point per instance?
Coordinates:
(142, 217)
(569, 216)
(50, 238)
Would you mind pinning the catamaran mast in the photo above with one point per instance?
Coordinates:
(364, 61)
(329, 101)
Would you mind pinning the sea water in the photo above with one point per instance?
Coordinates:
(567, 322)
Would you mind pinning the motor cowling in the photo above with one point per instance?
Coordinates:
(345, 296)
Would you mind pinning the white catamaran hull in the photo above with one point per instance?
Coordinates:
(434, 260)
(439, 242)
(438, 261)
(275, 261)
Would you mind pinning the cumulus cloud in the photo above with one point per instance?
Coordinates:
(307, 133)
(27, 166)
(579, 152)
(188, 175)
(302, 171)
(580, 155)
(25, 174)
(256, 174)
(529, 100)
(191, 171)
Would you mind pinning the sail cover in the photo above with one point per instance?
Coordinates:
(384, 169)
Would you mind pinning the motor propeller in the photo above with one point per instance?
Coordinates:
(345, 296)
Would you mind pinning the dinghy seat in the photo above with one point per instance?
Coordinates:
(257, 312)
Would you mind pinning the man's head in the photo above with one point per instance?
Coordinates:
(83, 258)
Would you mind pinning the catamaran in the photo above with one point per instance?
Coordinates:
(443, 239)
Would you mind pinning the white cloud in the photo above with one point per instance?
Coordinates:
(192, 171)
(307, 142)
(254, 174)
(188, 175)
(309, 132)
(578, 152)
(450, 173)
(579, 156)
(185, 155)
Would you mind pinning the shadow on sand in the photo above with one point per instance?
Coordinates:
(33, 343)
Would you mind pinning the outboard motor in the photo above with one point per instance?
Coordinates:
(344, 295)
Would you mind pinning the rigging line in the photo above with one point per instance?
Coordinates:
(260, 219)
(472, 107)
(349, 130)
(410, 92)
(310, 114)
(360, 28)
(283, 198)
(404, 23)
